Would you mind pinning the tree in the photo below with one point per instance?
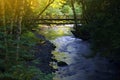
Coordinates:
(101, 19)
(17, 41)
(48, 4)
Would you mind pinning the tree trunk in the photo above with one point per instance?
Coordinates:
(74, 13)
(19, 27)
(4, 25)
(13, 17)
(5, 32)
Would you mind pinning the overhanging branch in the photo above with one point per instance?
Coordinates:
(49, 3)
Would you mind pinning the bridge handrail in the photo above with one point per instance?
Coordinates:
(59, 16)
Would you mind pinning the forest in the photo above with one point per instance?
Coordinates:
(20, 34)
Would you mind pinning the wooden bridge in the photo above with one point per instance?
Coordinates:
(61, 19)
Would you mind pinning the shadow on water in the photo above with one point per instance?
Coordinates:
(70, 61)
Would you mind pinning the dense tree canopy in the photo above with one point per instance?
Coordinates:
(100, 22)
(17, 41)
(101, 19)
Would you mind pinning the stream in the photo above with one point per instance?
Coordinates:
(74, 52)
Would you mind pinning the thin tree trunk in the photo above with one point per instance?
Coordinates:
(84, 15)
(20, 17)
(5, 32)
(13, 18)
(74, 12)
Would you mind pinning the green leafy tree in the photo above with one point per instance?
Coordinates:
(17, 42)
(101, 18)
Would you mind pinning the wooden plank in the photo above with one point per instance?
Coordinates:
(57, 23)
(55, 19)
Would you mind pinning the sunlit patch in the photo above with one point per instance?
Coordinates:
(52, 32)
(59, 56)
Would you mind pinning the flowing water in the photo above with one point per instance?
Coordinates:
(74, 52)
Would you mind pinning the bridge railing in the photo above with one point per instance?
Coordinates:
(58, 16)
(58, 19)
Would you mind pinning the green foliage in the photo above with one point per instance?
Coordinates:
(61, 7)
(21, 72)
(18, 70)
(67, 10)
(27, 73)
(78, 8)
(102, 21)
(17, 42)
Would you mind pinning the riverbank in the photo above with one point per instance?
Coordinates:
(43, 55)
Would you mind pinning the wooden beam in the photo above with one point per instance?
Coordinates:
(56, 19)
(55, 23)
